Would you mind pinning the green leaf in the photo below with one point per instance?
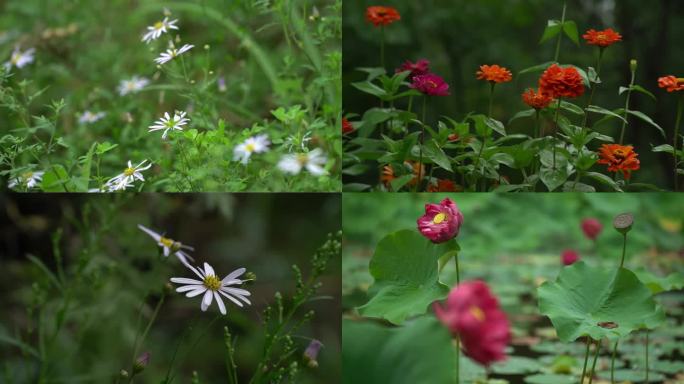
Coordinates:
(603, 111)
(658, 284)
(355, 187)
(553, 28)
(570, 107)
(44, 268)
(373, 353)
(400, 182)
(55, 179)
(404, 267)
(536, 68)
(522, 114)
(87, 164)
(550, 378)
(370, 88)
(637, 88)
(582, 297)
(496, 125)
(600, 177)
(647, 119)
(553, 178)
(105, 147)
(570, 29)
(517, 365)
(437, 155)
(664, 148)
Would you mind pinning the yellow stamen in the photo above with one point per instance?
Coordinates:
(158, 25)
(477, 313)
(439, 218)
(302, 158)
(212, 282)
(250, 147)
(171, 244)
(129, 171)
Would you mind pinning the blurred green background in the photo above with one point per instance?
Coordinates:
(458, 36)
(265, 233)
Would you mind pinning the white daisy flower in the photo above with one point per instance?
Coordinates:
(313, 162)
(172, 53)
(158, 28)
(168, 123)
(212, 288)
(255, 144)
(20, 59)
(88, 117)
(128, 176)
(29, 179)
(135, 84)
(170, 246)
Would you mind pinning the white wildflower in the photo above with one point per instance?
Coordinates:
(20, 59)
(128, 176)
(88, 117)
(313, 162)
(168, 123)
(172, 53)
(133, 85)
(29, 179)
(211, 287)
(158, 29)
(255, 144)
(170, 246)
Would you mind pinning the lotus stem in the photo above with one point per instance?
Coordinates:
(458, 358)
(624, 249)
(593, 365)
(647, 356)
(612, 363)
(586, 358)
(458, 273)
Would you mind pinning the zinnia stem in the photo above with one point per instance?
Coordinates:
(491, 98)
(612, 363)
(422, 140)
(624, 249)
(593, 365)
(586, 358)
(382, 46)
(680, 107)
(593, 89)
(560, 35)
(629, 96)
(554, 135)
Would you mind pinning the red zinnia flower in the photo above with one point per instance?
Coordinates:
(440, 222)
(430, 84)
(420, 67)
(536, 99)
(602, 38)
(453, 137)
(379, 15)
(494, 73)
(569, 257)
(619, 158)
(473, 313)
(561, 82)
(347, 127)
(444, 185)
(671, 83)
(411, 166)
(591, 228)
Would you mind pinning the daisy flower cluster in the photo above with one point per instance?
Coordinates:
(208, 285)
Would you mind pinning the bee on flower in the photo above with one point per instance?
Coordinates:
(88, 117)
(311, 161)
(133, 85)
(255, 144)
(168, 123)
(29, 180)
(128, 176)
(159, 28)
(211, 287)
(170, 246)
(20, 59)
(172, 53)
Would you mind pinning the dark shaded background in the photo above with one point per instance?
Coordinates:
(457, 36)
(265, 233)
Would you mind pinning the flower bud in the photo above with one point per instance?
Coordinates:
(123, 374)
(168, 289)
(311, 353)
(141, 363)
(633, 65)
(623, 222)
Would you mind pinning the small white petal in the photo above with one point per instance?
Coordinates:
(196, 292)
(236, 273)
(191, 287)
(222, 307)
(231, 298)
(208, 270)
(183, 280)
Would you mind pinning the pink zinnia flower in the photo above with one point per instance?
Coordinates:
(591, 228)
(440, 222)
(569, 257)
(420, 67)
(430, 84)
(473, 313)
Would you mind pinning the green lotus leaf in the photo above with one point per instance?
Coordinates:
(405, 269)
(657, 284)
(598, 302)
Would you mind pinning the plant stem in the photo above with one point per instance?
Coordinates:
(560, 35)
(422, 140)
(139, 341)
(586, 358)
(537, 125)
(593, 365)
(624, 249)
(593, 89)
(680, 107)
(491, 98)
(647, 356)
(554, 135)
(629, 96)
(612, 363)
(458, 357)
(382, 46)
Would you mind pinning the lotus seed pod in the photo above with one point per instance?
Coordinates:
(623, 222)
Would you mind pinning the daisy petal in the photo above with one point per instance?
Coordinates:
(196, 292)
(189, 287)
(183, 280)
(236, 273)
(222, 307)
(231, 298)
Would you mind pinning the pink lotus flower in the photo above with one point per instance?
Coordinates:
(430, 84)
(420, 67)
(440, 222)
(591, 228)
(473, 313)
(569, 256)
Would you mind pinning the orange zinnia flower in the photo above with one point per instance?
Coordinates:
(619, 158)
(388, 173)
(671, 83)
(444, 185)
(379, 15)
(602, 38)
(561, 82)
(494, 73)
(347, 127)
(536, 99)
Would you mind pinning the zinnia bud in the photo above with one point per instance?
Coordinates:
(311, 353)
(591, 228)
(441, 222)
(569, 257)
(141, 363)
(633, 65)
(473, 313)
(623, 222)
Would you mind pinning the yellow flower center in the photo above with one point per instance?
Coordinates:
(250, 147)
(158, 25)
(27, 176)
(212, 282)
(477, 313)
(129, 171)
(170, 243)
(15, 58)
(439, 218)
(302, 158)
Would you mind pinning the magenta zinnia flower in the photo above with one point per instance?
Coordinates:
(420, 67)
(430, 84)
(591, 228)
(569, 257)
(440, 222)
(473, 313)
